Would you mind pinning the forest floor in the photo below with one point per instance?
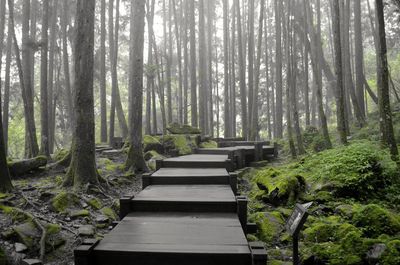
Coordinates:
(66, 217)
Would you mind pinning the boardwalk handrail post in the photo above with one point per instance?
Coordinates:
(258, 151)
(233, 181)
(276, 150)
(146, 180)
(159, 164)
(242, 211)
(125, 205)
(258, 253)
(83, 253)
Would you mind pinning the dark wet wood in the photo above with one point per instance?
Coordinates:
(175, 238)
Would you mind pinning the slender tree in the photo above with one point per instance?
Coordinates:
(359, 56)
(193, 71)
(7, 82)
(340, 105)
(227, 127)
(385, 113)
(250, 67)
(82, 169)
(233, 73)
(103, 93)
(278, 71)
(135, 160)
(202, 70)
(150, 73)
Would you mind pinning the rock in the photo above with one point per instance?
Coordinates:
(102, 219)
(375, 253)
(151, 143)
(65, 200)
(86, 230)
(31, 262)
(176, 128)
(27, 233)
(112, 153)
(79, 213)
(19, 247)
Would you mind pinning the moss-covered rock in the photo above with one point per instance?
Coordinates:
(60, 154)
(182, 144)
(110, 213)
(269, 224)
(208, 144)
(277, 188)
(95, 203)
(64, 201)
(391, 256)
(79, 213)
(176, 128)
(27, 233)
(376, 220)
(151, 157)
(152, 143)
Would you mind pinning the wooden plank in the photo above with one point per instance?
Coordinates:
(185, 198)
(192, 172)
(175, 238)
(198, 161)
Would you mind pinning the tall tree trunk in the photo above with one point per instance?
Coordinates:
(340, 105)
(150, 71)
(306, 72)
(227, 119)
(202, 69)
(250, 67)
(179, 55)
(135, 160)
(103, 91)
(385, 112)
(44, 106)
(6, 99)
(169, 64)
(67, 77)
(242, 74)
(359, 56)
(233, 74)
(210, 109)
(160, 88)
(193, 62)
(278, 71)
(185, 22)
(28, 105)
(51, 95)
(82, 169)
(255, 103)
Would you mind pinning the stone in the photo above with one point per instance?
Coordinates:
(375, 253)
(31, 262)
(102, 219)
(86, 230)
(176, 128)
(19, 247)
(27, 233)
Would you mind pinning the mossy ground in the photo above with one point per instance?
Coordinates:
(355, 195)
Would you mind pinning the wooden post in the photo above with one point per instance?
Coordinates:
(83, 253)
(258, 253)
(258, 151)
(296, 249)
(242, 211)
(233, 180)
(276, 150)
(146, 180)
(159, 164)
(125, 205)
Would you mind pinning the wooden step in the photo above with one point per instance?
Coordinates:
(182, 198)
(172, 239)
(191, 176)
(197, 161)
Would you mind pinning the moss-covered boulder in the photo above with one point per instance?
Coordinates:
(150, 157)
(65, 201)
(180, 144)
(176, 128)
(110, 213)
(376, 220)
(95, 203)
(391, 256)
(60, 154)
(152, 143)
(269, 224)
(278, 188)
(22, 167)
(208, 144)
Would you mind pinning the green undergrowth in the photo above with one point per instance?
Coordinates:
(355, 212)
(183, 144)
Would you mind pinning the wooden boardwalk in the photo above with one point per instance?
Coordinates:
(187, 213)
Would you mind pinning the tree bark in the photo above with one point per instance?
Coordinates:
(193, 62)
(227, 127)
(278, 71)
(135, 160)
(250, 68)
(82, 169)
(103, 91)
(233, 74)
(150, 72)
(340, 100)
(242, 74)
(385, 112)
(179, 55)
(202, 70)
(359, 57)
(6, 100)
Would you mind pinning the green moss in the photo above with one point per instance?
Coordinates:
(53, 229)
(176, 128)
(269, 225)
(277, 188)
(181, 143)
(60, 154)
(209, 144)
(148, 139)
(4, 195)
(376, 220)
(109, 213)
(80, 213)
(392, 254)
(95, 203)
(27, 233)
(65, 200)
(16, 214)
